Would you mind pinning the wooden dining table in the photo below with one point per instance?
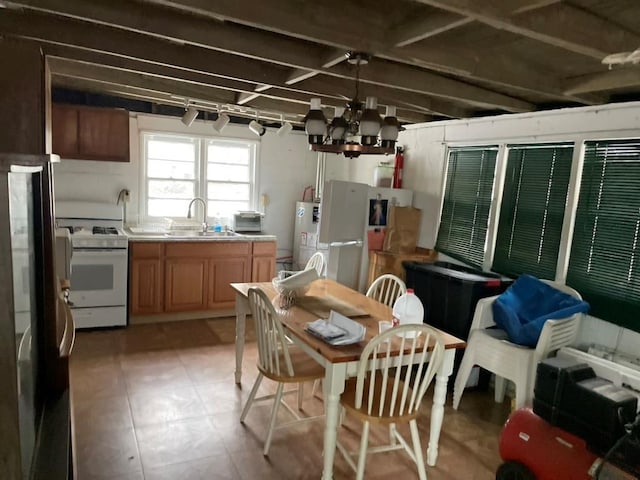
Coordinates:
(340, 362)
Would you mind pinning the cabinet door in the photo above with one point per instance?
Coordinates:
(103, 134)
(146, 286)
(64, 130)
(222, 272)
(185, 284)
(263, 269)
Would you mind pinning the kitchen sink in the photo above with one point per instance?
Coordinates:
(196, 233)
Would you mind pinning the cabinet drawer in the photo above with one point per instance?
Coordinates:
(145, 250)
(206, 249)
(264, 248)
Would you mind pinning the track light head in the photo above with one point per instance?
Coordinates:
(221, 122)
(257, 128)
(284, 129)
(189, 116)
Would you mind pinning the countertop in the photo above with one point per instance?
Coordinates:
(161, 237)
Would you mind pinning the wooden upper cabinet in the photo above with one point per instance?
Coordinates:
(90, 133)
(64, 119)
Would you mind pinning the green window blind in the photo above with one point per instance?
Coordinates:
(532, 210)
(604, 265)
(467, 200)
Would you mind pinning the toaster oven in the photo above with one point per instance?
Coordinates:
(248, 222)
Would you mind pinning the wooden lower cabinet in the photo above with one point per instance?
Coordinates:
(263, 267)
(169, 277)
(146, 282)
(185, 284)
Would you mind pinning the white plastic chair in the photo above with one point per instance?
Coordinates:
(316, 261)
(386, 289)
(278, 361)
(387, 395)
(490, 349)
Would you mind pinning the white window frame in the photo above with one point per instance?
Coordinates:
(201, 166)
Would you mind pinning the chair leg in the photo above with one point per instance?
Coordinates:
(392, 437)
(362, 455)
(274, 416)
(417, 450)
(461, 378)
(300, 395)
(500, 386)
(314, 389)
(252, 395)
(521, 393)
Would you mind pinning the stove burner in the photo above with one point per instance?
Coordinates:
(105, 231)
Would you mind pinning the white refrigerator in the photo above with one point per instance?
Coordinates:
(338, 227)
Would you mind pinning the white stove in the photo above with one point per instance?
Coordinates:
(99, 262)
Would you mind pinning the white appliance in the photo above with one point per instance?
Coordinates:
(248, 222)
(305, 233)
(346, 210)
(98, 293)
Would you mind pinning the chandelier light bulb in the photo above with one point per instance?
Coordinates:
(390, 128)
(338, 127)
(315, 123)
(370, 122)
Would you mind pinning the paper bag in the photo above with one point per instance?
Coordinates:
(402, 230)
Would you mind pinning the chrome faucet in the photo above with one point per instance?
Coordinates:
(205, 226)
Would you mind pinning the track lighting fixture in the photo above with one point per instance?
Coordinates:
(189, 116)
(257, 128)
(285, 127)
(220, 122)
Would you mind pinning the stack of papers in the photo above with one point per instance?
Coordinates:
(337, 329)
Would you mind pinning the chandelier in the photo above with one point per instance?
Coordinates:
(356, 129)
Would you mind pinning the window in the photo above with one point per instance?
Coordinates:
(604, 265)
(467, 199)
(532, 210)
(179, 168)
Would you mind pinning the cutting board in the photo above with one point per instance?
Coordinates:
(322, 306)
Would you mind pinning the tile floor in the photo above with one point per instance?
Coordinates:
(159, 402)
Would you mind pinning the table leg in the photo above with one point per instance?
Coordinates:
(334, 380)
(437, 410)
(242, 308)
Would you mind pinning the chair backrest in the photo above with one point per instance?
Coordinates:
(316, 261)
(419, 345)
(273, 355)
(386, 289)
(561, 332)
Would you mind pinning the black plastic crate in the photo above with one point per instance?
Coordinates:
(450, 292)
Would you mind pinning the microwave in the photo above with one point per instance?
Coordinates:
(247, 222)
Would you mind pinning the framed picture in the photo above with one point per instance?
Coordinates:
(378, 212)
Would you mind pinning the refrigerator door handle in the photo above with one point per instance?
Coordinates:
(357, 243)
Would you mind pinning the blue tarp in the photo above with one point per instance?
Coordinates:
(524, 307)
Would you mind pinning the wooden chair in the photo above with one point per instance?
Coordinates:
(316, 261)
(384, 394)
(278, 361)
(386, 289)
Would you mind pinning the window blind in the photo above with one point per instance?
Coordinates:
(604, 265)
(532, 210)
(467, 199)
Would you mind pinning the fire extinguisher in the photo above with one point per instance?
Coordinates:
(397, 171)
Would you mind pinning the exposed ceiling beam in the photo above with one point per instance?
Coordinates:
(608, 80)
(226, 37)
(561, 25)
(328, 89)
(131, 45)
(299, 74)
(244, 97)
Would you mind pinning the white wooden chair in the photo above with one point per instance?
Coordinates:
(491, 349)
(386, 395)
(316, 261)
(278, 361)
(386, 289)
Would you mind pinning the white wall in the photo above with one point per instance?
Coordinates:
(425, 159)
(285, 166)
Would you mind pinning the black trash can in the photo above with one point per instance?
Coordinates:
(449, 293)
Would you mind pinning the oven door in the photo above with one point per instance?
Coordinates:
(98, 278)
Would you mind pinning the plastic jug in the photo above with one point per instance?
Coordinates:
(408, 309)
